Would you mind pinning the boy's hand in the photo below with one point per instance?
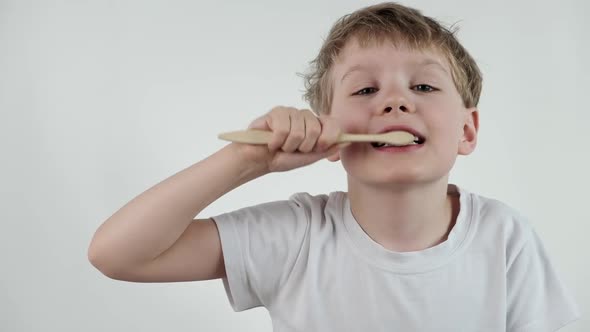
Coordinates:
(299, 139)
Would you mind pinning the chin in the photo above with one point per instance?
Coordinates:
(377, 177)
(401, 171)
(397, 175)
(398, 180)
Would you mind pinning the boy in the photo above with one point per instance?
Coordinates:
(402, 250)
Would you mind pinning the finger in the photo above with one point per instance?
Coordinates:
(313, 129)
(297, 132)
(330, 133)
(280, 125)
(302, 159)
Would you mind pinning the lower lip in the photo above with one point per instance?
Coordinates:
(407, 148)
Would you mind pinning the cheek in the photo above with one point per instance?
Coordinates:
(351, 120)
(447, 124)
(354, 123)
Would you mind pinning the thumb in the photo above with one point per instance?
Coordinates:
(311, 157)
(334, 157)
(333, 154)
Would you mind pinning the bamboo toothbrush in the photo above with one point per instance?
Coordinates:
(255, 136)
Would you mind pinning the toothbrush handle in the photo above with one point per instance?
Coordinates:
(345, 138)
(250, 136)
(256, 136)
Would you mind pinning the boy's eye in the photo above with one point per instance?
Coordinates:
(365, 91)
(419, 87)
(424, 88)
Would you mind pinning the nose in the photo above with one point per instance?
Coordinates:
(398, 103)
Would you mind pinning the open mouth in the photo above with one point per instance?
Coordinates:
(418, 140)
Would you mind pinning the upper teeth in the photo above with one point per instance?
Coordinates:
(386, 144)
(379, 144)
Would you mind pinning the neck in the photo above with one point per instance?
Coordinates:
(408, 218)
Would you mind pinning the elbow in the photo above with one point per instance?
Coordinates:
(108, 265)
(101, 262)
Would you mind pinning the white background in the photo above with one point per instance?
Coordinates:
(101, 100)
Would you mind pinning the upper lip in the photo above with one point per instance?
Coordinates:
(403, 128)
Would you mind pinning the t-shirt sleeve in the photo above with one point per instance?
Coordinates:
(260, 245)
(537, 299)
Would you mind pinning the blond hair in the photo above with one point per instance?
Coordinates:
(396, 23)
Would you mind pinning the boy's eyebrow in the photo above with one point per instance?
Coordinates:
(424, 63)
(430, 61)
(352, 69)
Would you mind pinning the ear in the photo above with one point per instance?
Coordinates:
(470, 129)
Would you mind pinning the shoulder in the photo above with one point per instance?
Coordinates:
(536, 297)
(322, 199)
(308, 200)
(282, 215)
(318, 202)
(500, 222)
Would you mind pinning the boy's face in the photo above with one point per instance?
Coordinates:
(380, 86)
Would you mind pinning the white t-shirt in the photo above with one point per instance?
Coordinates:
(313, 267)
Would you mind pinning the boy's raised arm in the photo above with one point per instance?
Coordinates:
(128, 242)
(154, 238)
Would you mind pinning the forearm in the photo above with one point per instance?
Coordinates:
(151, 222)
